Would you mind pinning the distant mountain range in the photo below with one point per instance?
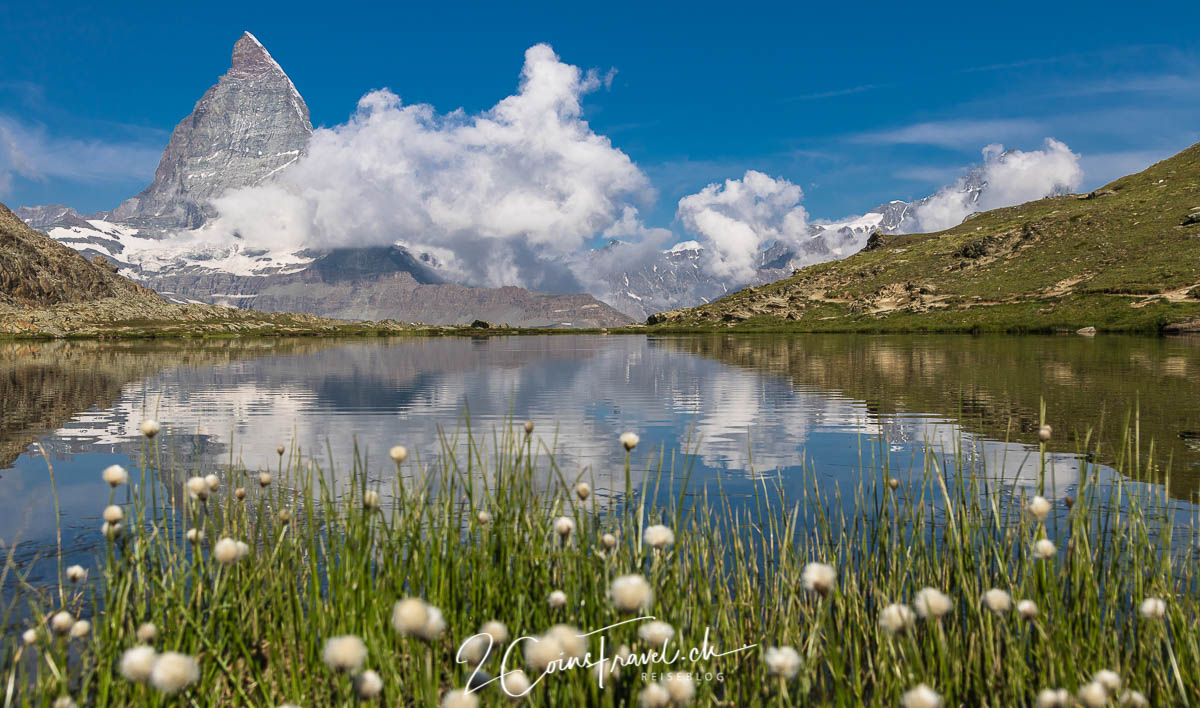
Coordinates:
(253, 123)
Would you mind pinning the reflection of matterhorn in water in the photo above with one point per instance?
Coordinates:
(582, 392)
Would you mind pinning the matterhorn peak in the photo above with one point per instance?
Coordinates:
(250, 125)
(250, 57)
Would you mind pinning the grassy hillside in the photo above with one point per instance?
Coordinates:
(1123, 258)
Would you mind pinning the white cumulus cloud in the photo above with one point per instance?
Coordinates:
(502, 196)
(1008, 177)
(734, 220)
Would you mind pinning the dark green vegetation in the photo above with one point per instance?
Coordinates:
(350, 545)
(1123, 258)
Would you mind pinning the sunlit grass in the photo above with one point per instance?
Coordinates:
(409, 585)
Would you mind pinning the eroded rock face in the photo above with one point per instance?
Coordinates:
(251, 124)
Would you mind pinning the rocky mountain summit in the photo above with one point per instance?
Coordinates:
(250, 125)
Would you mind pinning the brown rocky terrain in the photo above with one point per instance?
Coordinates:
(50, 290)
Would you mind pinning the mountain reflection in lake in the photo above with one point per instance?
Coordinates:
(745, 405)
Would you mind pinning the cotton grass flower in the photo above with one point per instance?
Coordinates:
(280, 450)
(414, 617)
(137, 663)
(194, 535)
(997, 600)
(896, 618)
(198, 488)
(680, 687)
(540, 651)
(213, 482)
(515, 683)
(1152, 608)
(629, 441)
(1110, 680)
(1038, 508)
(529, 427)
(227, 551)
(557, 600)
(921, 697)
(570, 639)
(656, 633)
(497, 630)
(65, 702)
(631, 593)
(1045, 432)
(113, 514)
(239, 493)
(1044, 549)
(111, 531)
(483, 517)
(609, 541)
(1134, 699)
(368, 685)
(932, 603)
(147, 633)
(1053, 698)
(783, 662)
(1027, 609)
(409, 616)
(583, 490)
(284, 515)
(564, 526)
(345, 653)
(819, 578)
(81, 629)
(115, 475)
(1093, 695)
(62, 622)
(149, 427)
(658, 536)
(264, 479)
(399, 454)
(371, 500)
(460, 698)
(655, 695)
(173, 672)
(76, 574)
(474, 650)
(29, 636)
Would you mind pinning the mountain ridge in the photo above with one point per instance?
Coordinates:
(1125, 257)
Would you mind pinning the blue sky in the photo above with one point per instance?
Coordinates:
(857, 104)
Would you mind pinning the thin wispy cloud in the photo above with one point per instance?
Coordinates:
(836, 92)
(29, 152)
(957, 134)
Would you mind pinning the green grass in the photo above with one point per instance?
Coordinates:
(258, 626)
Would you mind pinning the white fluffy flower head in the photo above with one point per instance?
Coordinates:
(783, 662)
(921, 697)
(997, 600)
(115, 475)
(932, 603)
(896, 618)
(629, 441)
(819, 578)
(631, 593)
(345, 653)
(173, 672)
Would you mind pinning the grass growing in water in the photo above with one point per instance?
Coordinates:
(285, 587)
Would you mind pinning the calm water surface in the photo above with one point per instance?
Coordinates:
(740, 406)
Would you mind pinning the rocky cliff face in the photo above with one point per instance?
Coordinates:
(35, 271)
(248, 126)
